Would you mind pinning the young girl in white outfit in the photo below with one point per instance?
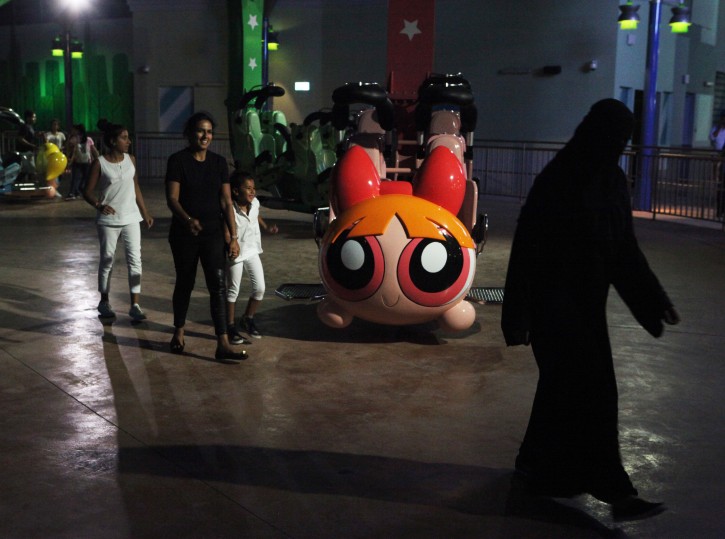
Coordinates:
(119, 209)
(246, 212)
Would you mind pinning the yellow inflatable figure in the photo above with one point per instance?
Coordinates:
(55, 165)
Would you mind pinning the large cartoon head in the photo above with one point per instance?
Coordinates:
(396, 253)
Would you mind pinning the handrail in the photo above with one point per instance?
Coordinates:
(686, 182)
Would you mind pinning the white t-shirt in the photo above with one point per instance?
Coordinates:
(248, 233)
(56, 138)
(118, 190)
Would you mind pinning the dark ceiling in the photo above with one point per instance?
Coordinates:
(42, 11)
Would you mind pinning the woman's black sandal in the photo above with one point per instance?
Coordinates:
(176, 346)
(228, 355)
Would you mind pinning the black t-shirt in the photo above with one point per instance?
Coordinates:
(26, 132)
(200, 189)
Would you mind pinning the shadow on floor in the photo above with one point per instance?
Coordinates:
(467, 489)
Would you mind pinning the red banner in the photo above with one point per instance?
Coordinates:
(411, 40)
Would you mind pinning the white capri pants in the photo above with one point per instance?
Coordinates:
(108, 238)
(234, 278)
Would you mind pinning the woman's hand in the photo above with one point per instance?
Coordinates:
(105, 209)
(272, 229)
(194, 226)
(233, 249)
(148, 220)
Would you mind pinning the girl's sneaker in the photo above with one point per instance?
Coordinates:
(105, 311)
(235, 337)
(251, 328)
(136, 313)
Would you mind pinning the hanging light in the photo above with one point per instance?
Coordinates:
(680, 21)
(76, 49)
(272, 41)
(629, 18)
(57, 46)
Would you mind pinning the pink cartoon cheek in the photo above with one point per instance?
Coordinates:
(433, 272)
(353, 268)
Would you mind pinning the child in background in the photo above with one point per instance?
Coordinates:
(57, 137)
(246, 212)
(82, 153)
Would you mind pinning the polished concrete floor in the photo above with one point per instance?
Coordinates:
(367, 432)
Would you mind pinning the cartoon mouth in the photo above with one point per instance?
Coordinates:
(391, 304)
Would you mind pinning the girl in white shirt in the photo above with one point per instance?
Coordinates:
(119, 209)
(246, 212)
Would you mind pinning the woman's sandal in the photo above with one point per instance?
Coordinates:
(176, 346)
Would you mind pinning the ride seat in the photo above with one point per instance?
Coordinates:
(255, 142)
(274, 120)
(444, 122)
(311, 158)
(370, 136)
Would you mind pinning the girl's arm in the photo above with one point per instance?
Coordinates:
(89, 193)
(272, 229)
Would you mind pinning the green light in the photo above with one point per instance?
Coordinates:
(57, 46)
(76, 50)
(680, 27)
(628, 18)
(680, 21)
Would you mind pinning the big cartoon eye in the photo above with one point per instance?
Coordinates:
(353, 268)
(433, 272)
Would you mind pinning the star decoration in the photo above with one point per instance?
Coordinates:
(252, 63)
(411, 29)
(252, 21)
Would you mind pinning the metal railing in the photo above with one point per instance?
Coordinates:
(152, 150)
(685, 183)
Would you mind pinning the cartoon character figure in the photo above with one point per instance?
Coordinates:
(396, 253)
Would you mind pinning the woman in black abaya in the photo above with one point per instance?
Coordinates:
(574, 238)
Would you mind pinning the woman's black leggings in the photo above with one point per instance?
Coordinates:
(187, 252)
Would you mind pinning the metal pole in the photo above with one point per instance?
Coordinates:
(68, 80)
(649, 111)
(265, 51)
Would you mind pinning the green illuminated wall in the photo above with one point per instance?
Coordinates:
(94, 97)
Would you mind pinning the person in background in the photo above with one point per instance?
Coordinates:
(82, 153)
(717, 140)
(27, 137)
(717, 134)
(573, 240)
(120, 208)
(246, 211)
(198, 195)
(57, 137)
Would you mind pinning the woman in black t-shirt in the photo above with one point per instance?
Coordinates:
(198, 195)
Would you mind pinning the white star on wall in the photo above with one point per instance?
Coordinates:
(411, 29)
(252, 63)
(253, 21)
